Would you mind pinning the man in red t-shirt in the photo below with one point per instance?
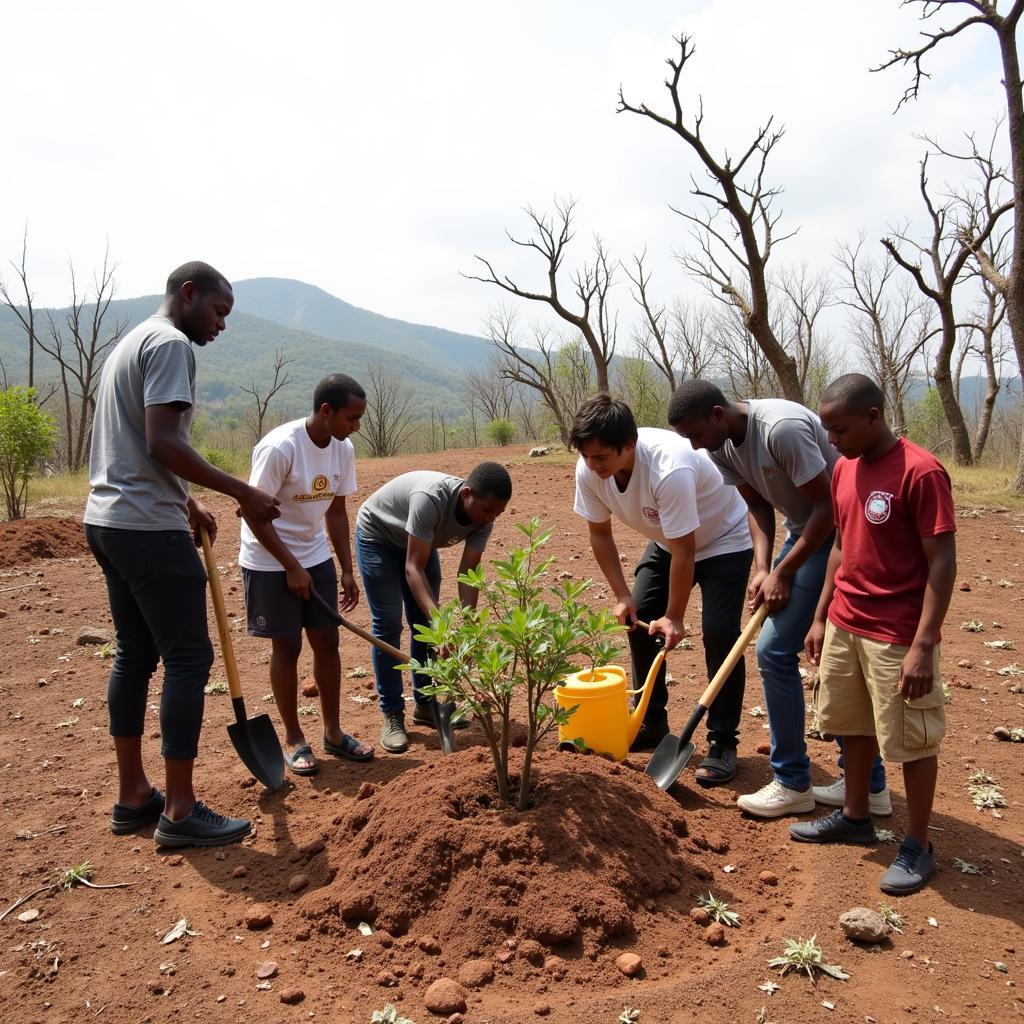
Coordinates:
(875, 636)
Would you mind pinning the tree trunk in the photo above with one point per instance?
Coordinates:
(962, 454)
(1015, 130)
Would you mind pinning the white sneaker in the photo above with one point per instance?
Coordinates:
(775, 800)
(879, 804)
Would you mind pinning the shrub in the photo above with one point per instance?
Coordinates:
(518, 644)
(26, 437)
(500, 432)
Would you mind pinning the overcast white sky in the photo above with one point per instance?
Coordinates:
(373, 149)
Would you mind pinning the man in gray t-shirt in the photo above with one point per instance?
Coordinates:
(398, 532)
(776, 453)
(139, 521)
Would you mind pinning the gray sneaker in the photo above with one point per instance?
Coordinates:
(913, 866)
(393, 737)
(833, 828)
(201, 827)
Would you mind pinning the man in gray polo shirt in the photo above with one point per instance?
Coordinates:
(139, 523)
(398, 532)
(776, 453)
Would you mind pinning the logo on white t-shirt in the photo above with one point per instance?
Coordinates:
(650, 513)
(878, 507)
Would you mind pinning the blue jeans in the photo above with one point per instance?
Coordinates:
(382, 568)
(778, 654)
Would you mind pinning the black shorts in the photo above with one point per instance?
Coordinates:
(272, 610)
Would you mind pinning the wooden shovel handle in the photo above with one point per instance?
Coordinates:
(748, 634)
(381, 645)
(227, 650)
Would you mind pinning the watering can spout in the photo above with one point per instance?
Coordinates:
(636, 716)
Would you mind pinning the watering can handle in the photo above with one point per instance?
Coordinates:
(636, 716)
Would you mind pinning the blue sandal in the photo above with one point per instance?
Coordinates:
(348, 748)
(304, 753)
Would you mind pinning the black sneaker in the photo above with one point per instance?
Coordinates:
(126, 820)
(201, 827)
(652, 732)
(393, 737)
(913, 866)
(423, 715)
(834, 828)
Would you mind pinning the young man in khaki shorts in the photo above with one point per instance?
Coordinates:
(875, 636)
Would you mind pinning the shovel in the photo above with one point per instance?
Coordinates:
(674, 752)
(254, 739)
(442, 712)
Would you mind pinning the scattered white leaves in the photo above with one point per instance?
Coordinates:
(933, 922)
(180, 929)
(729, 869)
(770, 987)
(364, 928)
(354, 954)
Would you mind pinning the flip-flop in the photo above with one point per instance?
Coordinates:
(348, 748)
(720, 769)
(304, 753)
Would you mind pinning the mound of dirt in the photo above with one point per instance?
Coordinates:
(429, 854)
(26, 540)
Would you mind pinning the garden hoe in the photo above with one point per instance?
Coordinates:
(442, 712)
(673, 752)
(254, 739)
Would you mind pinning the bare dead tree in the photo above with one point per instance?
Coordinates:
(78, 341)
(557, 370)
(675, 340)
(743, 244)
(802, 298)
(526, 413)
(1010, 283)
(23, 308)
(596, 322)
(945, 252)
(983, 338)
(645, 390)
(472, 410)
(890, 322)
(743, 361)
(263, 396)
(388, 420)
(492, 390)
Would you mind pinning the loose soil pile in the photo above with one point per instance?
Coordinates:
(431, 854)
(26, 540)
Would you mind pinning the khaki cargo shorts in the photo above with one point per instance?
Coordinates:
(858, 695)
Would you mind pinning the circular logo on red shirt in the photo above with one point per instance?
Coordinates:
(878, 507)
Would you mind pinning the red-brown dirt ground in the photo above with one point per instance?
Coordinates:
(469, 881)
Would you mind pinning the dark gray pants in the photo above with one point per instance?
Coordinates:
(157, 589)
(723, 587)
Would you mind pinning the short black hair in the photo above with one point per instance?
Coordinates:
(490, 480)
(336, 390)
(202, 275)
(694, 399)
(855, 392)
(605, 419)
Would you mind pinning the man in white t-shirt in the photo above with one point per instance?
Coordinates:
(310, 465)
(654, 482)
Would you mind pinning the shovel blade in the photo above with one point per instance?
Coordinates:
(443, 712)
(256, 743)
(668, 761)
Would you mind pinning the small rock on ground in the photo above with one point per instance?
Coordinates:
(310, 690)
(297, 883)
(629, 964)
(93, 635)
(386, 979)
(258, 916)
(445, 997)
(714, 934)
(863, 925)
(542, 1009)
(474, 973)
(768, 878)
(700, 916)
(267, 969)
(292, 996)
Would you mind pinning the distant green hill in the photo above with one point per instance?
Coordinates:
(307, 308)
(320, 333)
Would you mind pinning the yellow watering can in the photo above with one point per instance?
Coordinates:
(602, 720)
